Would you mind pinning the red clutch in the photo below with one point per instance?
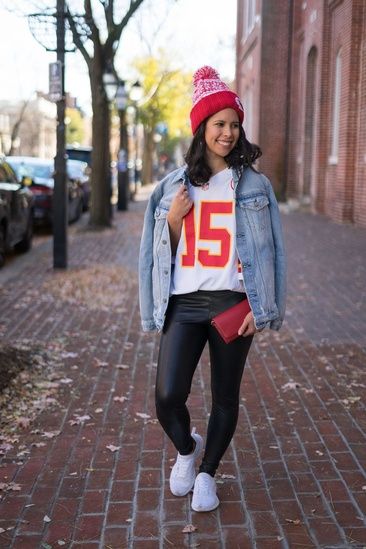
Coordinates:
(229, 322)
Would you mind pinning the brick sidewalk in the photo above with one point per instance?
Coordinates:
(98, 463)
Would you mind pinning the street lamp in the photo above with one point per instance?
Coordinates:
(115, 89)
(110, 84)
(136, 94)
(122, 165)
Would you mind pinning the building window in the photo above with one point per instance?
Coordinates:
(333, 159)
(249, 17)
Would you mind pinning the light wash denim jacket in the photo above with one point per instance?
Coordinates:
(259, 245)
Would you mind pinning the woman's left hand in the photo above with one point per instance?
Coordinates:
(248, 327)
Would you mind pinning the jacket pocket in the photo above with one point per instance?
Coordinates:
(255, 203)
(257, 215)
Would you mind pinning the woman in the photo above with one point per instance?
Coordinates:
(211, 238)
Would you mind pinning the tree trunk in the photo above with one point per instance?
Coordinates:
(100, 207)
(147, 158)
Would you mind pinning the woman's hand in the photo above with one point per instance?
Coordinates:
(248, 327)
(180, 206)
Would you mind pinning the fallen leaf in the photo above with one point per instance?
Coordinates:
(10, 487)
(228, 476)
(46, 518)
(100, 363)
(122, 366)
(113, 448)
(61, 542)
(66, 380)
(290, 385)
(189, 529)
(119, 399)
(143, 416)
(293, 521)
(98, 410)
(51, 434)
(69, 355)
(79, 419)
(23, 422)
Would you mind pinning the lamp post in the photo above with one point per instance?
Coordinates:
(59, 205)
(136, 94)
(122, 164)
(110, 84)
(115, 89)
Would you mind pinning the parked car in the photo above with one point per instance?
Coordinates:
(38, 173)
(79, 172)
(16, 213)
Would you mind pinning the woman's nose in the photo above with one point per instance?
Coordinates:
(227, 130)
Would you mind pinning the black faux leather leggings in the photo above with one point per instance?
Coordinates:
(186, 330)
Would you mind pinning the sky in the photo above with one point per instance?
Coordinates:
(194, 32)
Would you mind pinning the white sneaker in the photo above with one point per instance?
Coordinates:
(183, 472)
(204, 493)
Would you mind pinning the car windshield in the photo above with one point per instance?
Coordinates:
(41, 171)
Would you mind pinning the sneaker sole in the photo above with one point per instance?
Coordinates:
(215, 506)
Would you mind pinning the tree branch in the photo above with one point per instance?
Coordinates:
(89, 19)
(76, 37)
(116, 31)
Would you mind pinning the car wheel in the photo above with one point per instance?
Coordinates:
(26, 243)
(2, 246)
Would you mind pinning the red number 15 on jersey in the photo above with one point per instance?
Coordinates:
(207, 232)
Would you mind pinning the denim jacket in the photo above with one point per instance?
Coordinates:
(259, 245)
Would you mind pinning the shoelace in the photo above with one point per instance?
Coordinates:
(205, 485)
(182, 467)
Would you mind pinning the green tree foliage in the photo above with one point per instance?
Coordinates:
(74, 127)
(167, 100)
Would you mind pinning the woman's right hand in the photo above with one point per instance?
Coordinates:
(180, 206)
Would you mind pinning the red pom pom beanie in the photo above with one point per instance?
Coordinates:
(211, 95)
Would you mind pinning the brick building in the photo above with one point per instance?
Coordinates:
(301, 73)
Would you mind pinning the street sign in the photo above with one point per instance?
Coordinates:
(55, 81)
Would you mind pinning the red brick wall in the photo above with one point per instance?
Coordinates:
(247, 72)
(273, 90)
(360, 176)
(261, 72)
(294, 124)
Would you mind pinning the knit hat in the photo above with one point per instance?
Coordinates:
(211, 95)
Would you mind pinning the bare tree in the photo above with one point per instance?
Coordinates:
(15, 129)
(86, 27)
(96, 32)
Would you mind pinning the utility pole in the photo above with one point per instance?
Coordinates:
(59, 204)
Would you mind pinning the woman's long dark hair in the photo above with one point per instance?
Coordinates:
(243, 155)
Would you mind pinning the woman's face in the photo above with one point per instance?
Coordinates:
(221, 134)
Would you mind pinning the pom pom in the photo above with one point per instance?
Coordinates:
(205, 73)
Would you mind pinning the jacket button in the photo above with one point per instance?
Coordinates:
(163, 241)
(165, 300)
(166, 272)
